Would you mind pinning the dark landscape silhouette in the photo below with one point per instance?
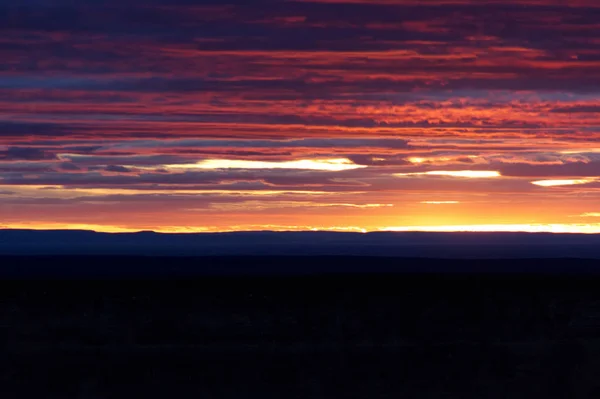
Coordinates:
(130, 321)
(410, 244)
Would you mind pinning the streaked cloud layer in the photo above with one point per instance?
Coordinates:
(351, 115)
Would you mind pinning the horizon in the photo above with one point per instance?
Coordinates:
(406, 244)
(476, 229)
(314, 230)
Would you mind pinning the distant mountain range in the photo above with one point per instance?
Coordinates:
(405, 244)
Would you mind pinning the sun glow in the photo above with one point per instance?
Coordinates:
(527, 228)
(591, 228)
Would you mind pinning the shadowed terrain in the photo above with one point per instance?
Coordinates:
(316, 243)
(453, 334)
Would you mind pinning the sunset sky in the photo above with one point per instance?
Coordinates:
(350, 115)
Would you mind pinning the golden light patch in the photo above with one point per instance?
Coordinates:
(470, 174)
(526, 228)
(69, 226)
(333, 164)
(273, 227)
(416, 160)
(439, 160)
(439, 202)
(562, 182)
(591, 215)
(262, 205)
(580, 151)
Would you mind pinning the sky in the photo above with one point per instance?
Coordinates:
(343, 115)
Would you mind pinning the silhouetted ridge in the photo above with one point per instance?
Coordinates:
(405, 244)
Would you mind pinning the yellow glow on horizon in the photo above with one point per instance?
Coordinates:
(333, 164)
(590, 228)
(284, 228)
(175, 229)
(69, 226)
(591, 215)
(440, 202)
(471, 174)
(491, 228)
(563, 182)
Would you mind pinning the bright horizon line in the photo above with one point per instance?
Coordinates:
(557, 228)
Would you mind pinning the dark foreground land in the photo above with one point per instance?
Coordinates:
(124, 327)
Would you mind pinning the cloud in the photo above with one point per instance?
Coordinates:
(213, 178)
(68, 166)
(118, 169)
(20, 130)
(566, 169)
(378, 160)
(26, 154)
(145, 109)
(298, 143)
(471, 174)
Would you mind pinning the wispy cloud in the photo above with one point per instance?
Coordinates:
(471, 174)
